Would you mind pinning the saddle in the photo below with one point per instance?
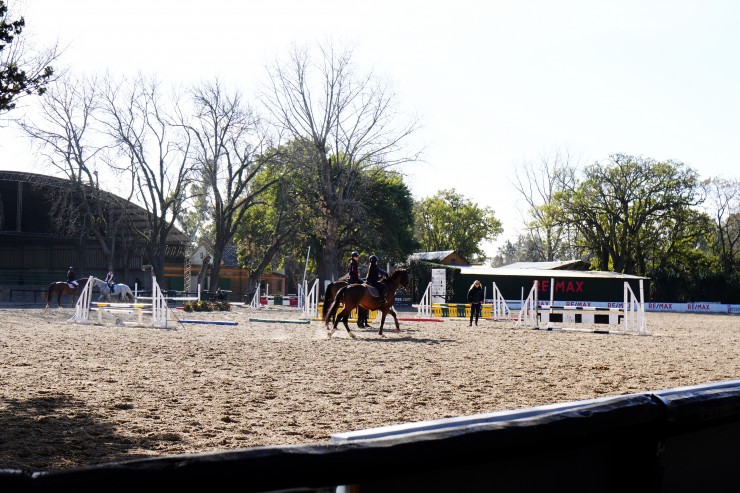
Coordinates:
(375, 292)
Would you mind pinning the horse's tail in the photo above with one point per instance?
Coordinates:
(327, 301)
(48, 293)
(334, 305)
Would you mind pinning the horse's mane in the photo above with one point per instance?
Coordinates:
(394, 276)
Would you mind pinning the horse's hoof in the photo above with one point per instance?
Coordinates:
(352, 335)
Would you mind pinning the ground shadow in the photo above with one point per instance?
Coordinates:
(59, 432)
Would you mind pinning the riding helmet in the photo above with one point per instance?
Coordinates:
(373, 258)
(355, 254)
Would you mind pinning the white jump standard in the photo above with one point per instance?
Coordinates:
(630, 315)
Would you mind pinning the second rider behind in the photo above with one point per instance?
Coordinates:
(354, 269)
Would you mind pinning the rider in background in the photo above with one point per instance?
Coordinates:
(72, 278)
(354, 269)
(375, 275)
(109, 279)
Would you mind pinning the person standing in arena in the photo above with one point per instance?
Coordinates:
(475, 298)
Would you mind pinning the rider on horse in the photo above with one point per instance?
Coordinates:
(109, 279)
(354, 278)
(354, 269)
(375, 275)
(72, 278)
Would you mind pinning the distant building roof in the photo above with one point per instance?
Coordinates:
(554, 265)
(447, 257)
(484, 270)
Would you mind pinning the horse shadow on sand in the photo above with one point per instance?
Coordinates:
(406, 335)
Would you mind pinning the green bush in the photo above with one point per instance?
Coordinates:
(206, 306)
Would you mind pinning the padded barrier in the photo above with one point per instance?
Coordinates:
(678, 440)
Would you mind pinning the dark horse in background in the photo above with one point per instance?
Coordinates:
(331, 293)
(62, 288)
(362, 295)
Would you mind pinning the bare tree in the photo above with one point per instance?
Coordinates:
(548, 238)
(155, 152)
(66, 138)
(723, 204)
(349, 126)
(231, 149)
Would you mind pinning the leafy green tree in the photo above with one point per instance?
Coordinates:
(276, 229)
(278, 232)
(387, 230)
(449, 221)
(630, 206)
(526, 249)
(22, 72)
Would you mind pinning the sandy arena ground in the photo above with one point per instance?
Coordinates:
(74, 395)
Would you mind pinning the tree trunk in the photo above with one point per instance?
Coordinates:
(215, 272)
(203, 271)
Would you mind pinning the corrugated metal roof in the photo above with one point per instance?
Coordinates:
(556, 264)
(484, 270)
(438, 255)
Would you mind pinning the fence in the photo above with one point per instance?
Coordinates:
(678, 440)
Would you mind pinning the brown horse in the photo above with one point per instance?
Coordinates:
(356, 295)
(331, 293)
(62, 288)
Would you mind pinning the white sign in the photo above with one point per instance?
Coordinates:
(439, 286)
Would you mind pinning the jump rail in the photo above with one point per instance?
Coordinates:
(158, 306)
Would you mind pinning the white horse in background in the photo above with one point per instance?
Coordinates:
(120, 291)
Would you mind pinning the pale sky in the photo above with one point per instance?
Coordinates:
(495, 83)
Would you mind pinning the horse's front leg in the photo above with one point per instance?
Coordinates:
(395, 319)
(382, 321)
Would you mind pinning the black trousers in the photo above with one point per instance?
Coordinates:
(475, 312)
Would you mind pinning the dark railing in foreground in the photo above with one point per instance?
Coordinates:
(678, 440)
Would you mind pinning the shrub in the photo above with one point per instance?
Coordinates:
(206, 306)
